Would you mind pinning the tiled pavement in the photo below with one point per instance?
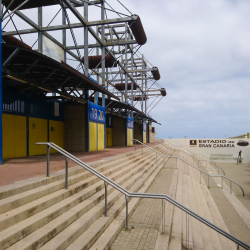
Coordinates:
(145, 222)
(23, 168)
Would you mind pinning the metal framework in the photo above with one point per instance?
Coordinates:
(131, 77)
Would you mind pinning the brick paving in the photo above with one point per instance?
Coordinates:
(18, 169)
(145, 222)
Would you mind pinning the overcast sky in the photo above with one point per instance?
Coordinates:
(202, 49)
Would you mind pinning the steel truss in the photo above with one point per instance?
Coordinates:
(113, 37)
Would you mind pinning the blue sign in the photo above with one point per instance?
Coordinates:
(96, 113)
(130, 122)
(144, 127)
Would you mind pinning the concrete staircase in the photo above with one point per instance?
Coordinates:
(40, 214)
(214, 204)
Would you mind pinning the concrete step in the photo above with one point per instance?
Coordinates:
(162, 241)
(216, 218)
(25, 185)
(106, 239)
(20, 230)
(18, 200)
(16, 215)
(187, 239)
(175, 242)
(195, 224)
(76, 237)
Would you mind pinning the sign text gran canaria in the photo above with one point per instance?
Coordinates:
(216, 144)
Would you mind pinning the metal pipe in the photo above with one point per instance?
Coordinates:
(208, 181)
(86, 40)
(222, 182)
(163, 217)
(106, 198)
(48, 160)
(230, 187)
(66, 172)
(126, 197)
(40, 34)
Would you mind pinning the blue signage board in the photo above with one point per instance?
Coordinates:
(96, 113)
(144, 127)
(130, 122)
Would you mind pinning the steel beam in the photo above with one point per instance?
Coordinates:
(105, 44)
(34, 25)
(66, 26)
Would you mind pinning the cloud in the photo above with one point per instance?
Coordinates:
(202, 51)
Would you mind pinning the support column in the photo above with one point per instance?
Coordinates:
(103, 65)
(103, 51)
(98, 77)
(40, 34)
(126, 61)
(86, 41)
(1, 96)
(64, 36)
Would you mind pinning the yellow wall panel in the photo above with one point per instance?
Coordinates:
(92, 136)
(33, 136)
(144, 136)
(129, 137)
(106, 137)
(38, 132)
(42, 135)
(20, 136)
(8, 136)
(14, 136)
(100, 136)
(56, 134)
(109, 137)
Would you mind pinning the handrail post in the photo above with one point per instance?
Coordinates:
(163, 216)
(66, 172)
(222, 182)
(106, 199)
(230, 187)
(126, 197)
(48, 160)
(200, 177)
(208, 181)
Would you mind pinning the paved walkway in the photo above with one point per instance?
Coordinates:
(145, 222)
(239, 173)
(18, 169)
(233, 220)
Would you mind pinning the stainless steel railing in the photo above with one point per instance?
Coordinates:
(201, 171)
(191, 154)
(134, 195)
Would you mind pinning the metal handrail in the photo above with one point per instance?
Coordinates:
(201, 171)
(136, 195)
(208, 160)
(163, 143)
